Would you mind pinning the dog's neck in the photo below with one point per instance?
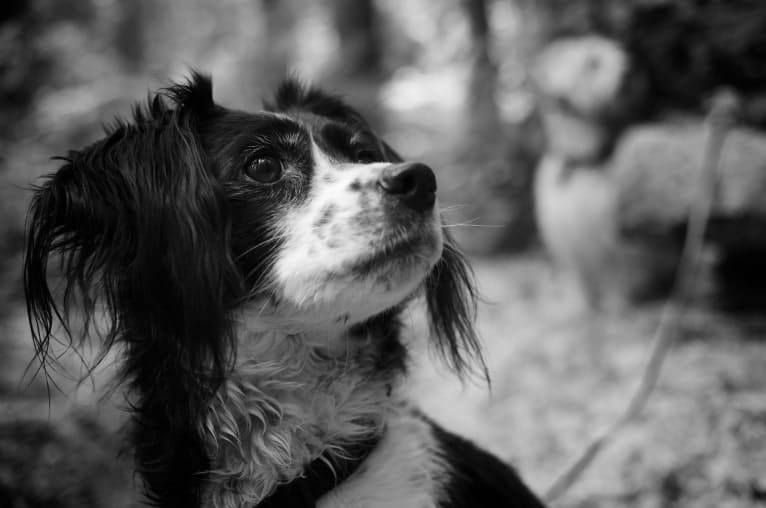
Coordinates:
(293, 398)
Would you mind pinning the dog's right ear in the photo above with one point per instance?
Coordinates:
(97, 212)
(141, 227)
(65, 217)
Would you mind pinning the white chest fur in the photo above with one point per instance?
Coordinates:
(286, 403)
(404, 471)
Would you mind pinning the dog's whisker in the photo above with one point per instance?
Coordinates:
(275, 241)
(469, 225)
(451, 208)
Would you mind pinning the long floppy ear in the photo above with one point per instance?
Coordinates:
(141, 228)
(451, 299)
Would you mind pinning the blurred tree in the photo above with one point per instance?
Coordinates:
(692, 47)
(482, 88)
(272, 58)
(23, 68)
(10, 9)
(358, 30)
(129, 33)
(493, 174)
(688, 47)
(548, 19)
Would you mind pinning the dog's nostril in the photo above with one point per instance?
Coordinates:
(413, 183)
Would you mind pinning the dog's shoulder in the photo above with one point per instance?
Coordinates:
(419, 464)
(404, 469)
(476, 478)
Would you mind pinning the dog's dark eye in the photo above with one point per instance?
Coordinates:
(264, 170)
(366, 156)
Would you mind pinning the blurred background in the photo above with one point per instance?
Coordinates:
(568, 138)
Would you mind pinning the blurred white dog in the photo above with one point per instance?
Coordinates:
(579, 80)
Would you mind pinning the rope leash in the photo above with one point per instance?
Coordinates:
(718, 122)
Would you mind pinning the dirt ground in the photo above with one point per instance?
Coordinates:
(558, 377)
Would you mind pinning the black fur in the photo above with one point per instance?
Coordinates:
(143, 227)
(478, 478)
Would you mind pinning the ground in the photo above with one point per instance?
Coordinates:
(561, 375)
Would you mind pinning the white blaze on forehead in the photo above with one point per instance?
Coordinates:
(327, 167)
(340, 224)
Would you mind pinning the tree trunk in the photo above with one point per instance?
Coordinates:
(357, 27)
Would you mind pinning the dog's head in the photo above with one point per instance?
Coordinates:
(347, 229)
(187, 217)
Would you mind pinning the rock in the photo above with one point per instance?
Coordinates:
(657, 170)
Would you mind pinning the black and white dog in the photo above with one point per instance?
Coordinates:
(251, 270)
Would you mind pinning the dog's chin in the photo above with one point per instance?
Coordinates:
(353, 290)
(396, 260)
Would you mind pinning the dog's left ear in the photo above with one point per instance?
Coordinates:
(451, 298)
(389, 153)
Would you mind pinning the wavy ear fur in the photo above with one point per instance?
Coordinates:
(141, 227)
(451, 298)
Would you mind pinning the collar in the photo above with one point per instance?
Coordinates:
(320, 476)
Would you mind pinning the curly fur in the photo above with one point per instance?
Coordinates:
(286, 403)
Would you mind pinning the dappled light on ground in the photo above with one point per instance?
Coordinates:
(561, 375)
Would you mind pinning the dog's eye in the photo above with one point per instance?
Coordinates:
(264, 170)
(366, 156)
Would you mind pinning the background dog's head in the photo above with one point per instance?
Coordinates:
(191, 215)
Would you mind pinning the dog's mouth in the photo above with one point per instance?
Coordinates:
(400, 253)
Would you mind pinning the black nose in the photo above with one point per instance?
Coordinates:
(413, 183)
